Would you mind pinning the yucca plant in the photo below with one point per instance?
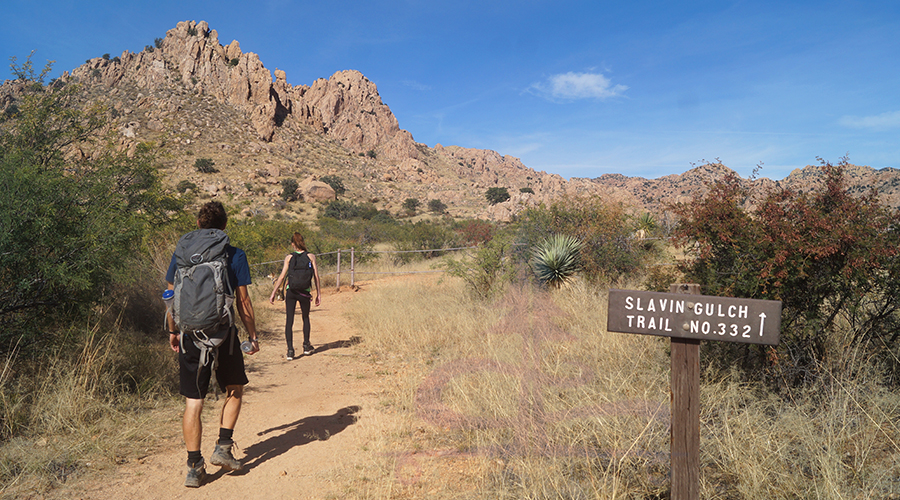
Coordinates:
(556, 259)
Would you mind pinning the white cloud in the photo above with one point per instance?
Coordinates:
(882, 121)
(573, 85)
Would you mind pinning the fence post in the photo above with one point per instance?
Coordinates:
(352, 267)
(339, 269)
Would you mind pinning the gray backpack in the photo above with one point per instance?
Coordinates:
(203, 299)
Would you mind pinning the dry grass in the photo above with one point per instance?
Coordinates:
(530, 397)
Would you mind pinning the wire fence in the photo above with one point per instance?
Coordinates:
(350, 270)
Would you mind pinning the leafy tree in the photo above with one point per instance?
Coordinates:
(496, 195)
(336, 183)
(158, 42)
(436, 206)
(830, 257)
(411, 205)
(68, 225)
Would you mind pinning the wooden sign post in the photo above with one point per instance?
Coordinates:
(688, 317)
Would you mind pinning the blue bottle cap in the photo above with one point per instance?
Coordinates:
(168, 294)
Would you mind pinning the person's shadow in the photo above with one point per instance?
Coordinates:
(303, 431)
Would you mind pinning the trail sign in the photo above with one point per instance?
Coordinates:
(700, 317)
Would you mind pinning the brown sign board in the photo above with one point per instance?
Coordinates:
(701, 317)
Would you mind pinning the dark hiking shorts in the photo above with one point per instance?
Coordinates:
(195, 379)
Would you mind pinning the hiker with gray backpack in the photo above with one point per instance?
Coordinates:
(206, 279)
(299, 272)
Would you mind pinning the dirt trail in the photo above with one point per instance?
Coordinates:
(301, 424)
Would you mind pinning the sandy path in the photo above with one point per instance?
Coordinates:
(301, 425)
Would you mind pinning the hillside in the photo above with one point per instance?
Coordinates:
(197, 98)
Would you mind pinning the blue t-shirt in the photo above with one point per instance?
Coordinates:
(238, 268)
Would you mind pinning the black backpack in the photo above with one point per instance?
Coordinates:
(300, 272)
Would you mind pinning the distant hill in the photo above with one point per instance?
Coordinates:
(197, 98)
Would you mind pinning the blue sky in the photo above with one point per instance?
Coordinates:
(577, 88)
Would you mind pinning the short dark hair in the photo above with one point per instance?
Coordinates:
(212, 216)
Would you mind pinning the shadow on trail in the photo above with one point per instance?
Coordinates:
(338, 344)
(303, 431)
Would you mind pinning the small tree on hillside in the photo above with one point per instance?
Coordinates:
(436, 206)
(411, 205)
(496, 195)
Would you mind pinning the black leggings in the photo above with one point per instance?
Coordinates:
(291, 299)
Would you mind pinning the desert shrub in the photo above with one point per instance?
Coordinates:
(185, 185)
(105, 57)
(192, 31)
(148, 48)
(436, 206)
(411, 205)
(371, 154)
(830, 257)
(289, 189)
(488, 269)
(609, 252)
(157, 42)
(526, 190)
(336, 183)
(205, 166)
(234, 61)
(68, 228)
(496, 195)
(475, 231)
(347, 210)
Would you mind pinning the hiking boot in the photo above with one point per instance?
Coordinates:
(223, 458)
(308, 349)
(195, 475)
(290, 354)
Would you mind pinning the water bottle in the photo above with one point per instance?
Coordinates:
(169, 298)
(246, 346)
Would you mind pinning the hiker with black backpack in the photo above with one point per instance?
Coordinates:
(299, 270)
(206, 277)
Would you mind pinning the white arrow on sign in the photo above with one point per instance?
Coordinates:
(762, 322)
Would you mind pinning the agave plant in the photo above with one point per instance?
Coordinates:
(555, 260)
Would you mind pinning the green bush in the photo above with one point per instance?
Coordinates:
(489, 270)
(234, 61)
(205, 166)
(496, 195)
(526, 190)
(68, 228)
(157, 42)
(289, 189)
(609, 251)
(410, 205)
(436, 206)
(185, 185)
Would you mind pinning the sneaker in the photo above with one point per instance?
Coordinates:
(195, 475)
(308, 349)
(290, 354)
(223, 458)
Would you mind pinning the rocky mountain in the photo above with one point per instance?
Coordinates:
(199, 99)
